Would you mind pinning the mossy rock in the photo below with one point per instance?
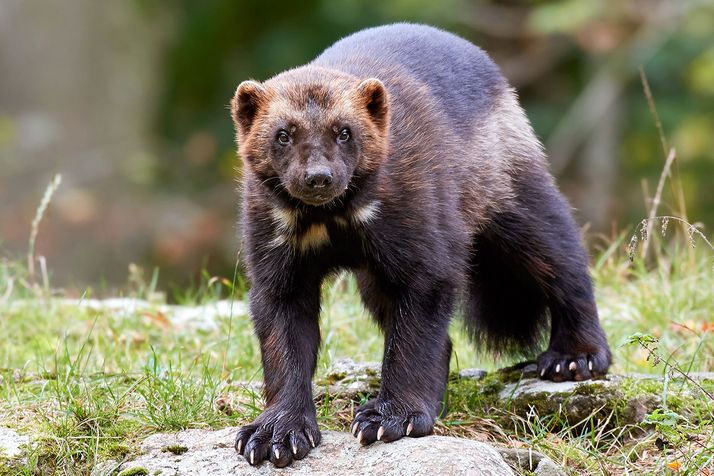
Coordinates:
(176, 449)
(516, 391)
(345, 371)
(574, 401)
(135, 471)
(616, 399)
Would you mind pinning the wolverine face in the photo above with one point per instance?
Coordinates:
(310, 130)
(314, 149)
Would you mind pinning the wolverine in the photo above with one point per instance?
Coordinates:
(401, 154)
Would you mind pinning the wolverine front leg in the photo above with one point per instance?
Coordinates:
(415, 367)
(287, 327)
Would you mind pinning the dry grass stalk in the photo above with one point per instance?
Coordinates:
(657, 200)
(46, 199)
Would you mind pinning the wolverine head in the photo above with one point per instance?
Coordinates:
(311, 130)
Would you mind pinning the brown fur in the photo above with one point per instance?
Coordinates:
(402, 154)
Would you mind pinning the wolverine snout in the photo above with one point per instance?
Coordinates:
(318, 176)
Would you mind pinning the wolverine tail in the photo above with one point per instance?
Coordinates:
(505, 306)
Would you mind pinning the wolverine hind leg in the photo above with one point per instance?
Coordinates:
(529, 264)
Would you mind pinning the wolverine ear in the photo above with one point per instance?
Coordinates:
(249, 98)
(373, 96)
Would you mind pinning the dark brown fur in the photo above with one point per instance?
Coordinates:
(402, 154)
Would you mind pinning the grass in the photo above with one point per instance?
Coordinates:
(89, 384)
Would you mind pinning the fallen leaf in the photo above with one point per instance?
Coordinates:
(158, 318)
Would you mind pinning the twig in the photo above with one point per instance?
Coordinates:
(8, 290)
(45, 275)
(677, 187)
(653, 110)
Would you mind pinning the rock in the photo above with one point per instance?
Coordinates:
(546, 467)
(576, 401)
(347, 370)
(12, 443)
(203, 317)
(350, 380)
(104, 468)
(518, 390)
(523, 460)
(473, 374)
(211, 453)
(533, 386)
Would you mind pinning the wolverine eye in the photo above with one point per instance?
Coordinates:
(344, 136)
(283, 138)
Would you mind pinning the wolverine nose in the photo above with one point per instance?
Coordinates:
(318, 177)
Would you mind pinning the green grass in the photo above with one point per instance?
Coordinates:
(87, 385)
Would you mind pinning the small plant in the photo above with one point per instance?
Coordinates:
(44, 203)
(671, 366)
(642, 233)
(678, 439)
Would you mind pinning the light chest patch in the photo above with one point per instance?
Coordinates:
(286, 220)
(366, 213)
(313, 238)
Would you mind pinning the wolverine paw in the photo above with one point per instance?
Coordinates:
(380, 420)
(278, 435)
(561, 366)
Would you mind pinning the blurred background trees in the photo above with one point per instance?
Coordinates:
(128, 101)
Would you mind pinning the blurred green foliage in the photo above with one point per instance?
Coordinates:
(218, 43)
(132, 108)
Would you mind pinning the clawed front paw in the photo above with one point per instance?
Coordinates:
(562, 366)
(278, 435)
(385, 421)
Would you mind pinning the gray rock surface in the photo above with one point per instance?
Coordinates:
(533, 386)
(11, 443)
(473, 374)
(349, 379)
(577, 401)
(211, 453)
(527, 460)
(574, 400)
(203, 317)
